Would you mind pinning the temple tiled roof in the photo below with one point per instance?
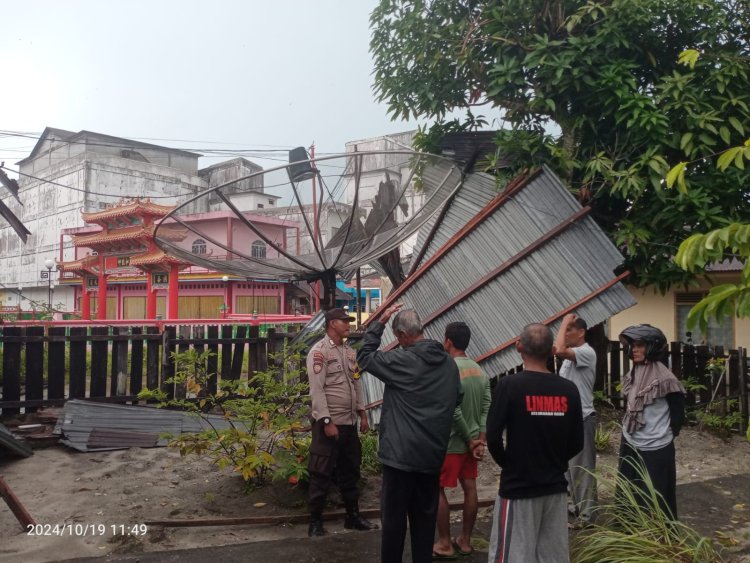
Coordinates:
(137, 232)
(81, 265)
(155, 257)
(133, 207)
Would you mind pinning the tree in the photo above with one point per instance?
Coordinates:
(596, 91)
(702, 249)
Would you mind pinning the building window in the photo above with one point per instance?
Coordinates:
(260, 206)
(199, 246)
(258, 249)
(270, 202)
(716, 334)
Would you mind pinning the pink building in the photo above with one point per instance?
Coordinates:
(117, 261)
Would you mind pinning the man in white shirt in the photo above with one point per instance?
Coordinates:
(579, 366)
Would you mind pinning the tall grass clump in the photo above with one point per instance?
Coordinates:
(632, 527)
(370, 462)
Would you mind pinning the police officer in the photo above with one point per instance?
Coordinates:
(337, 403)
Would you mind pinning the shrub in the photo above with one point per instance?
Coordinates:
(719, 420)
(265, 416)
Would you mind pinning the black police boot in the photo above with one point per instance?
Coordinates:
(355, 521)
(316, 527)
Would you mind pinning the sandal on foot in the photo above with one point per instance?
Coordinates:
(461, 552)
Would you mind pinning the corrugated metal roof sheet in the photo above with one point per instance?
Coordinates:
(530, 255)
(11, 443)
(476, 192)
(90, 426)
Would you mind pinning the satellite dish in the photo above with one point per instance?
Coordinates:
(330, 215)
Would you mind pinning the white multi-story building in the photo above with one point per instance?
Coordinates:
(68, 172)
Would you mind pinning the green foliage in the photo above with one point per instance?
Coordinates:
(612, 95)
(266, 415)
(602, 400)
(692, 385)
(700, 250)
(603, 437)
(370, 462)
(718, 419)
(627, 531)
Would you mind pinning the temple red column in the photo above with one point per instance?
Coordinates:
(172, 300)
(150, 297)
(85, 302)
(230, 298)
(101, 304)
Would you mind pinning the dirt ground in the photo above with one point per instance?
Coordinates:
(107, 493)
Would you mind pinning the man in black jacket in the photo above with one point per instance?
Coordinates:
(422, 389)
(541, 415)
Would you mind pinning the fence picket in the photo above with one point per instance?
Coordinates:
(34, 365)
(212, 365)
(742, 378)
(253, 361)
(152, 359)
(99, 352)
(239, 352)
(136, 361)
(78, 344)
(12, 369)
(226, 352)
(167, 362)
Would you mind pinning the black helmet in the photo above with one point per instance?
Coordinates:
(652, 337)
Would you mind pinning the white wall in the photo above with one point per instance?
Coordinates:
(49, 208)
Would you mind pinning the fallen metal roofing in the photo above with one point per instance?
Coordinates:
(476, 192)
(10, 442)
(531, 254)
(91, 426)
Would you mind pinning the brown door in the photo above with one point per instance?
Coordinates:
(133, 307)
(263, 305)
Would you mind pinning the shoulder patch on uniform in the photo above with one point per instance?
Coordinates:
(319, 361)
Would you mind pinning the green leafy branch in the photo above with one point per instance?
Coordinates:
(702, 249)
(263, 435)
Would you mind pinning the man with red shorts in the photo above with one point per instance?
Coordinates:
(466, 446)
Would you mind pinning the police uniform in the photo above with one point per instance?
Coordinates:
(336, 393)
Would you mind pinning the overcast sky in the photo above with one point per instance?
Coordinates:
(223, 74)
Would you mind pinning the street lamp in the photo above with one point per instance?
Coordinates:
(49, 264)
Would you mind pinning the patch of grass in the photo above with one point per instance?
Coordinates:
(627, 530)
(603, 436)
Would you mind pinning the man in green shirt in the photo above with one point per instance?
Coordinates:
(466, 446)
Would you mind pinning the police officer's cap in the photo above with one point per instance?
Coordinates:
(333, 314)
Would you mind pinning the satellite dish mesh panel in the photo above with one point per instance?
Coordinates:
(330, 215)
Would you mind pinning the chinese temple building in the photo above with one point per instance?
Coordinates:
(124, 249)
(118, 271)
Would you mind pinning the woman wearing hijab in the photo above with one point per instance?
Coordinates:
(655, 413)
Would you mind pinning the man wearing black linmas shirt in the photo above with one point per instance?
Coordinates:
(541, 415)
